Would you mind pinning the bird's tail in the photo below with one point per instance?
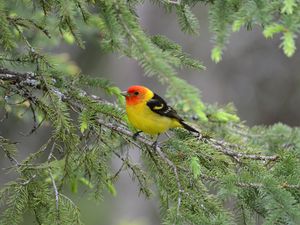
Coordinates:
(188, 127)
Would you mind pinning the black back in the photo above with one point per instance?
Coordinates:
(158, 105)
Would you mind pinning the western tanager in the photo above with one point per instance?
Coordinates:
(149, 113)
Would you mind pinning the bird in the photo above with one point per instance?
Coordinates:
(149, 113)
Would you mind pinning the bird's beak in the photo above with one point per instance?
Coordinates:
(124, 93)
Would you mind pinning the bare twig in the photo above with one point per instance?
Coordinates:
(118, 172)
(27, 78)
(51, 152)
(12, 159)
(53, 180)
(70, 200)
(29, 180)
(35, 123)
(55, 192)
(176, 2)
(37, 126)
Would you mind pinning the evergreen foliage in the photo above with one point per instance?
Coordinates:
(257, 168)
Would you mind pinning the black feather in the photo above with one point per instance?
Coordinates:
(187, 127)
(158, 105)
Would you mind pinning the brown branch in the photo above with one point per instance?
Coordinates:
(26, 78)
(224, 147)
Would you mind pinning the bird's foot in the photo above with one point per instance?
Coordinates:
(167, 135)
(135, 135)
(199, 135)
(154, 144)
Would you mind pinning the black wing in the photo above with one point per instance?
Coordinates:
(158, 105)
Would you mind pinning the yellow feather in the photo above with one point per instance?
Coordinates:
(158, 107)
(144, 119)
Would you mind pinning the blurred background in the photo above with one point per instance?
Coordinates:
(254, 74)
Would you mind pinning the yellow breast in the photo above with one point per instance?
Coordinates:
(144, 119)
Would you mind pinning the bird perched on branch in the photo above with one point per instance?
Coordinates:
(149, 113)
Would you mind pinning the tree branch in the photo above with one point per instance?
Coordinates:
(223, 147)
(30, 79)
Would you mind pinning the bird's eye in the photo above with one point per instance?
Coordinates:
(136, 93)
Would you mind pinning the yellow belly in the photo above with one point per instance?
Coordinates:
(144, 119)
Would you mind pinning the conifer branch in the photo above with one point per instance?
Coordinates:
(30, 79)
(217, 144)
(126, 162)
(247, 185)
(21, 80)
(226, 149)
(236, 161)
(22, 22)
(157, 148)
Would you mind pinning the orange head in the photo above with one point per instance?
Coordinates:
(137, 94)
